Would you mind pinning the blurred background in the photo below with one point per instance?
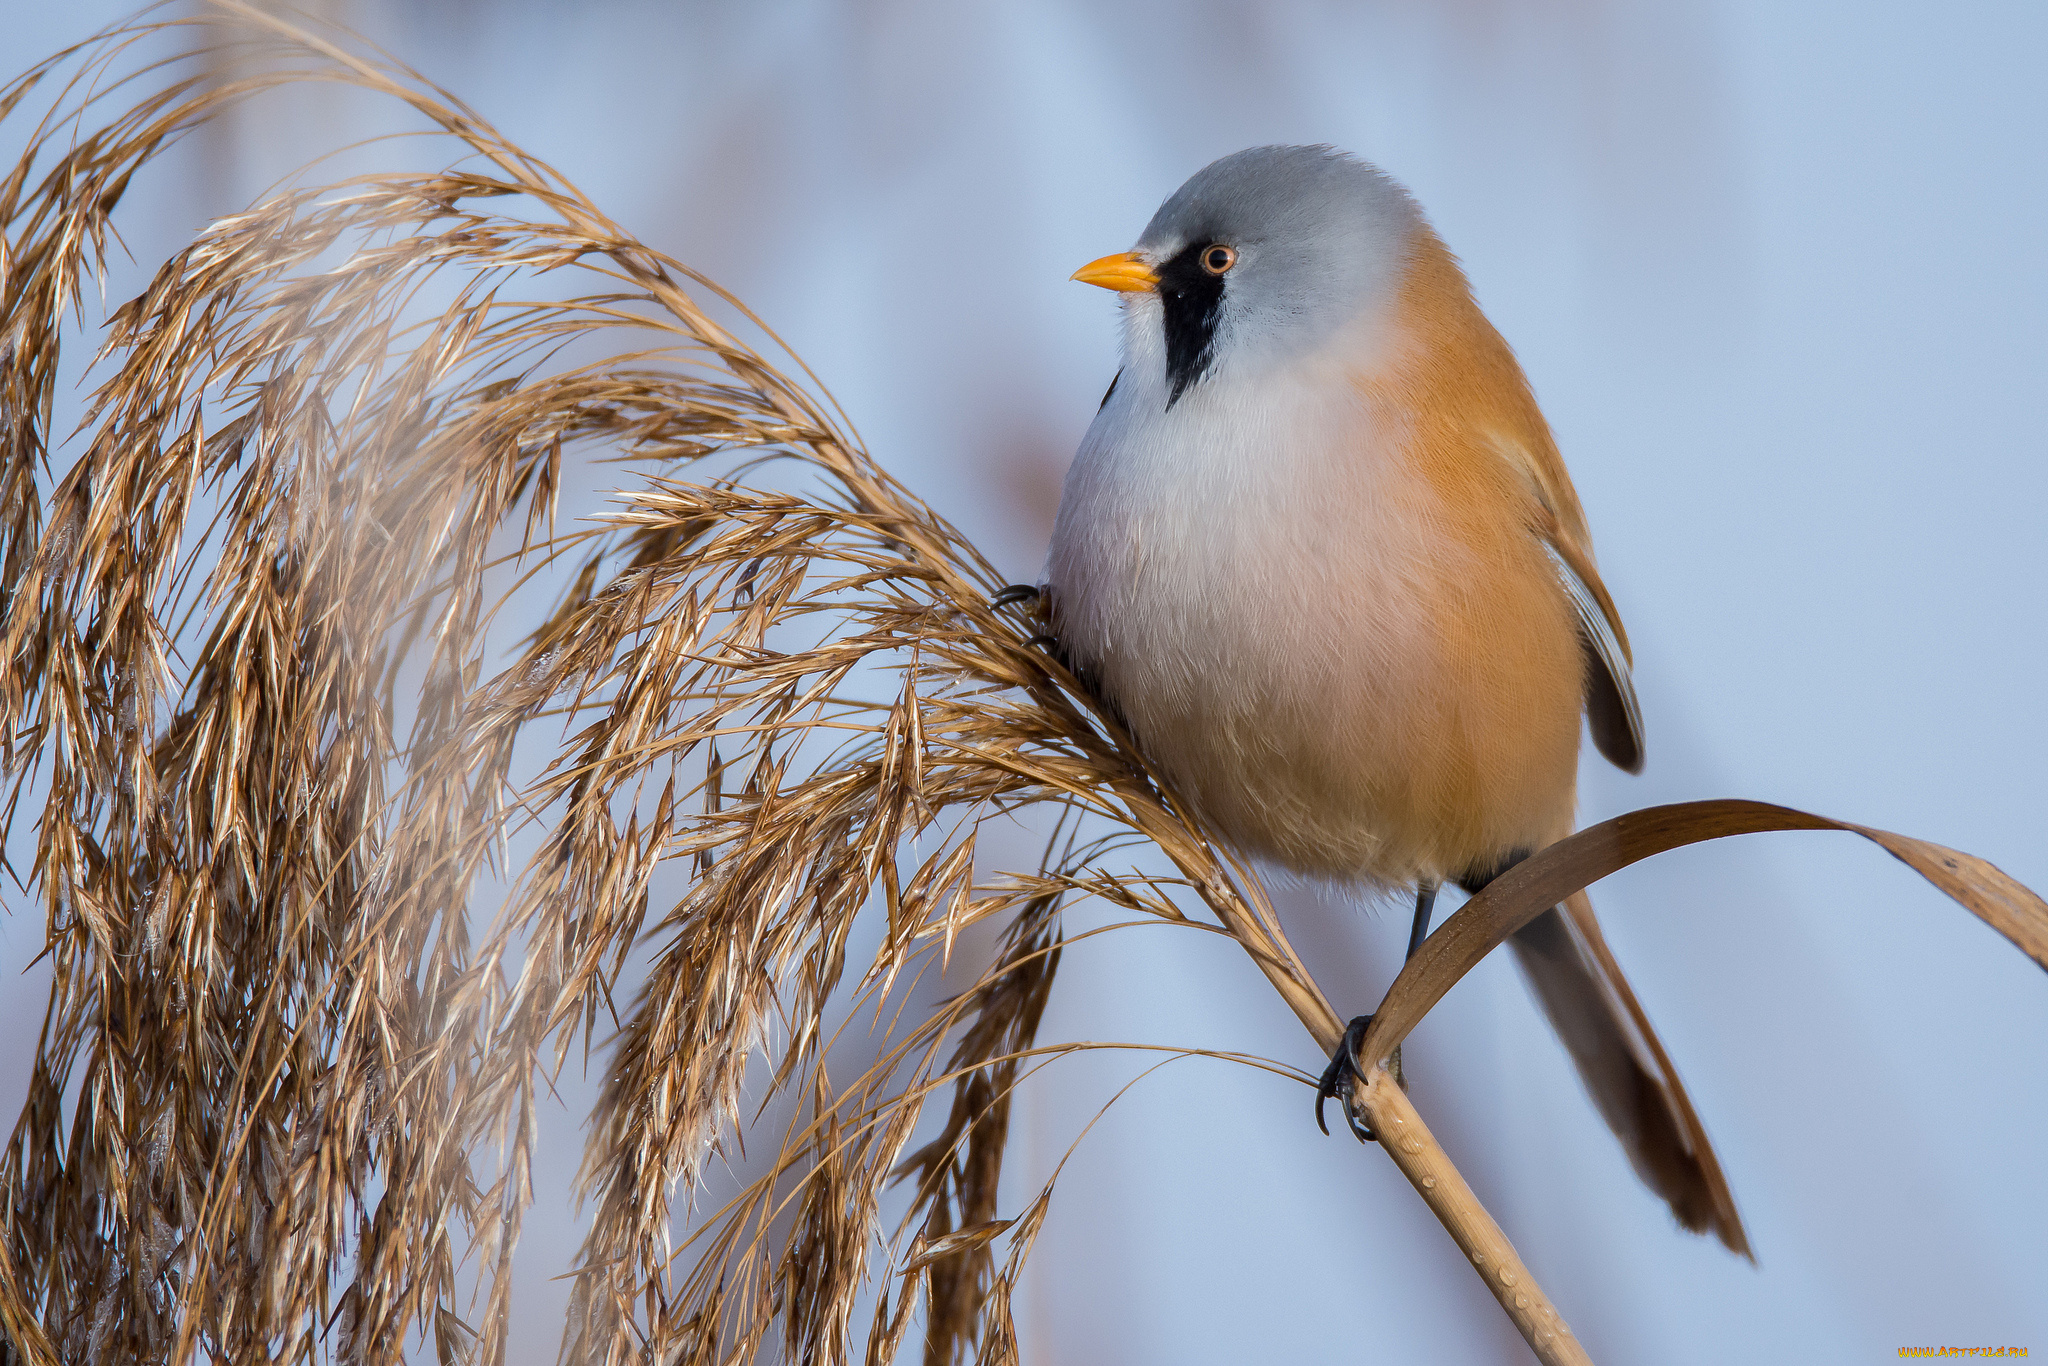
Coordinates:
(1777, 275)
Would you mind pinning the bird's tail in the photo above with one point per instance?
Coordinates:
(1625, 1068)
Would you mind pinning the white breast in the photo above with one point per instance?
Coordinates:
(1246, 577)
(1217, 531)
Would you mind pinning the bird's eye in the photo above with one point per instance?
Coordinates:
(1218, 259)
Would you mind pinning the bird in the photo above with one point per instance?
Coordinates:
(1318, 552)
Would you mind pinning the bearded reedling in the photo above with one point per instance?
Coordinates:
(1318, 549)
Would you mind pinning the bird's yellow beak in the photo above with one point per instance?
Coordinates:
(1125, 272)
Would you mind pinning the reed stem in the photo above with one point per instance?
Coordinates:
(1406, 1139)
(1402, 1134)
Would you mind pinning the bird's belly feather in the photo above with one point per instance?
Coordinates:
(1352, 669)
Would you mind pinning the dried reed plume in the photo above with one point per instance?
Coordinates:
(284, 1099)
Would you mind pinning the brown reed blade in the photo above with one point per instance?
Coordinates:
(1548, 878)
(1691, 1179)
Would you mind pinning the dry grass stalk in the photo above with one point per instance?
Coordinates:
(285, 1098)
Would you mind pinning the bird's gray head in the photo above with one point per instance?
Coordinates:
(1263, 255)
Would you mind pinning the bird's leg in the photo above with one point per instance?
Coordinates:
(1337, 1077)
(1425, 902)
(1342, 1069)
(1016, 593)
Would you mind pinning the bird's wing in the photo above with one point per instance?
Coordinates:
(1611, 709)
(1626, 1069)
(1612, 712)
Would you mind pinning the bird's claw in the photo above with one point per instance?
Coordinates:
(1336, 1079)
(1016, 593)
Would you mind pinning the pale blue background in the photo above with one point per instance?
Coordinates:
(1777, 273)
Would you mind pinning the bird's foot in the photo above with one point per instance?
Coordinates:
(1338, 1076)
(1016, 593)
(1034, 596)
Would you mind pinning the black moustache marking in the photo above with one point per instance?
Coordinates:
(1192, 301)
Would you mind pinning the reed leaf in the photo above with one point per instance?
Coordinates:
(1556, 874)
